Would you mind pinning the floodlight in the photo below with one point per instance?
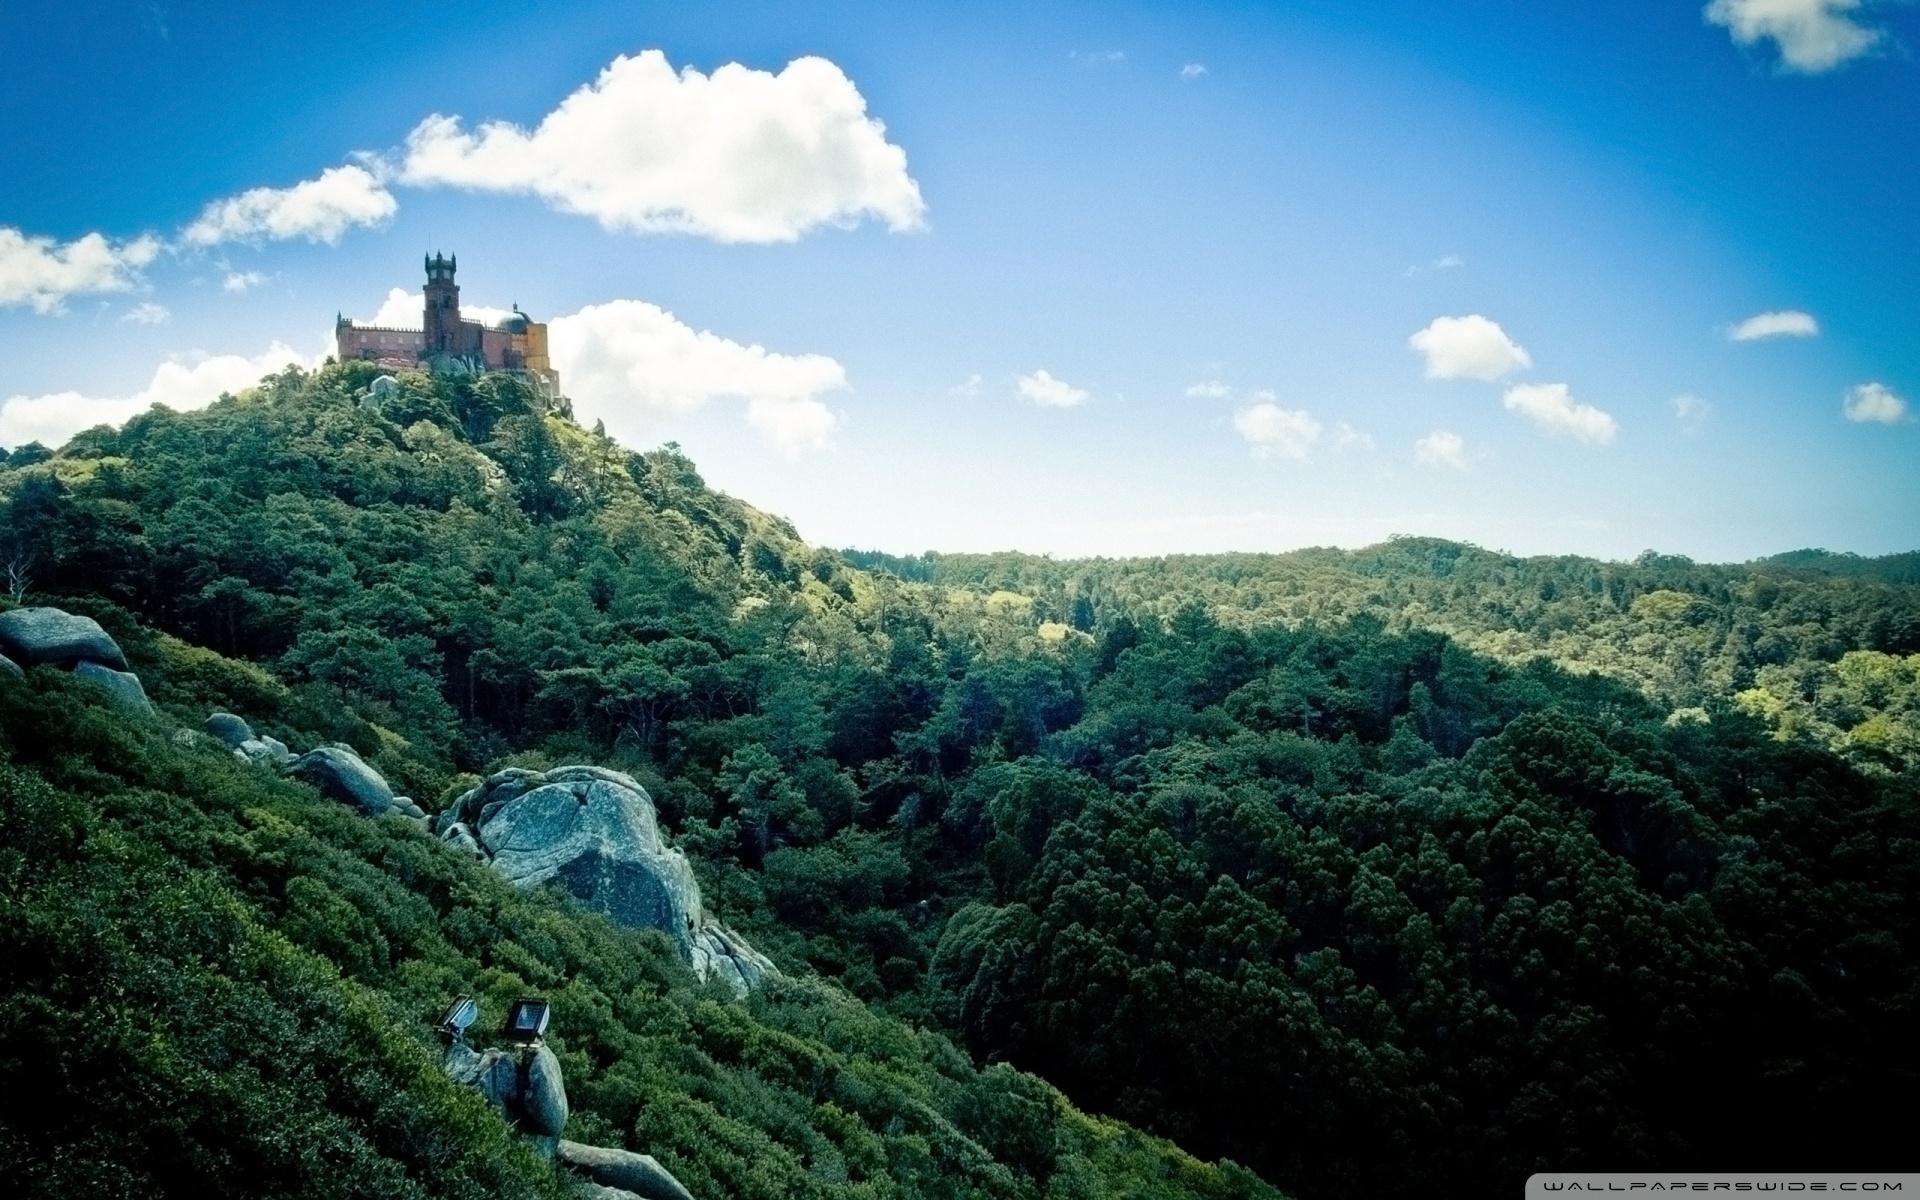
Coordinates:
(527, 1020)
(460, 1014)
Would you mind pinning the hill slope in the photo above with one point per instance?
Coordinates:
(220, 985)
(1411, 864)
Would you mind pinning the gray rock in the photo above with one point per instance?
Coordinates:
(31, 636)
(640, 1174)
(461, 838)
(493, 1074)
(10, 669)
(594, 833)
(720, 951)
(341, 774)
(232, 730)
(265, 751)
(543, 1097)
(123, 686)
(406, 805)
(587, 1189)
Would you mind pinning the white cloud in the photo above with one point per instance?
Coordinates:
(1552, 407)
(628, 363)
(1271, 431)
(968, 388)
(408, 310)
(1446, 262)
(148, 313)
(1877, 403)
(1813, 35)
(1213, 389)
(321, 209)
(1469, 347)
(1046, 391)
(1442, 449)
(1346, 437)
(792, 426)
(1787, 323)
(240, 281)
(738, 156)
(1193, 70)
(181, 383)
(400, 310)
(41, 273)
(1098, 56)
(1691, 411)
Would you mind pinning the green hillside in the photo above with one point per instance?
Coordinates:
(1374, 870)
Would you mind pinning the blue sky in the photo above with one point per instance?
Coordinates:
(1222, 266)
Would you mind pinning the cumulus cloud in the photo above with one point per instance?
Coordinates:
(1552, 407)
(1046, 391)
(1271, 431)
(793, 426)
(1193, 70)
(738, 156)
(1469, 347)
(1786, 323)
(148, 313)
(1441, 449)
(321, 209)
(240, 281)
(1813, 36)
(41, 273)
(1691, 411)
(1876, 403)
(628, 363)
(183, 384)
(1213, 389)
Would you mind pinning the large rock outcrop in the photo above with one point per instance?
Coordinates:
(622, 1170)
(528, 1087)
(339, 772)
(594, 832)
(54, 637)
(123, 687)
(543, 1093)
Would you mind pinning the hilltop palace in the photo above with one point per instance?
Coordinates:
(447, 343)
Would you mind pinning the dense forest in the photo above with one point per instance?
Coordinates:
(1418, 864)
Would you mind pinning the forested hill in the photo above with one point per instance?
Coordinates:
(1820, 645)
(217, 984)
(1410, 867)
